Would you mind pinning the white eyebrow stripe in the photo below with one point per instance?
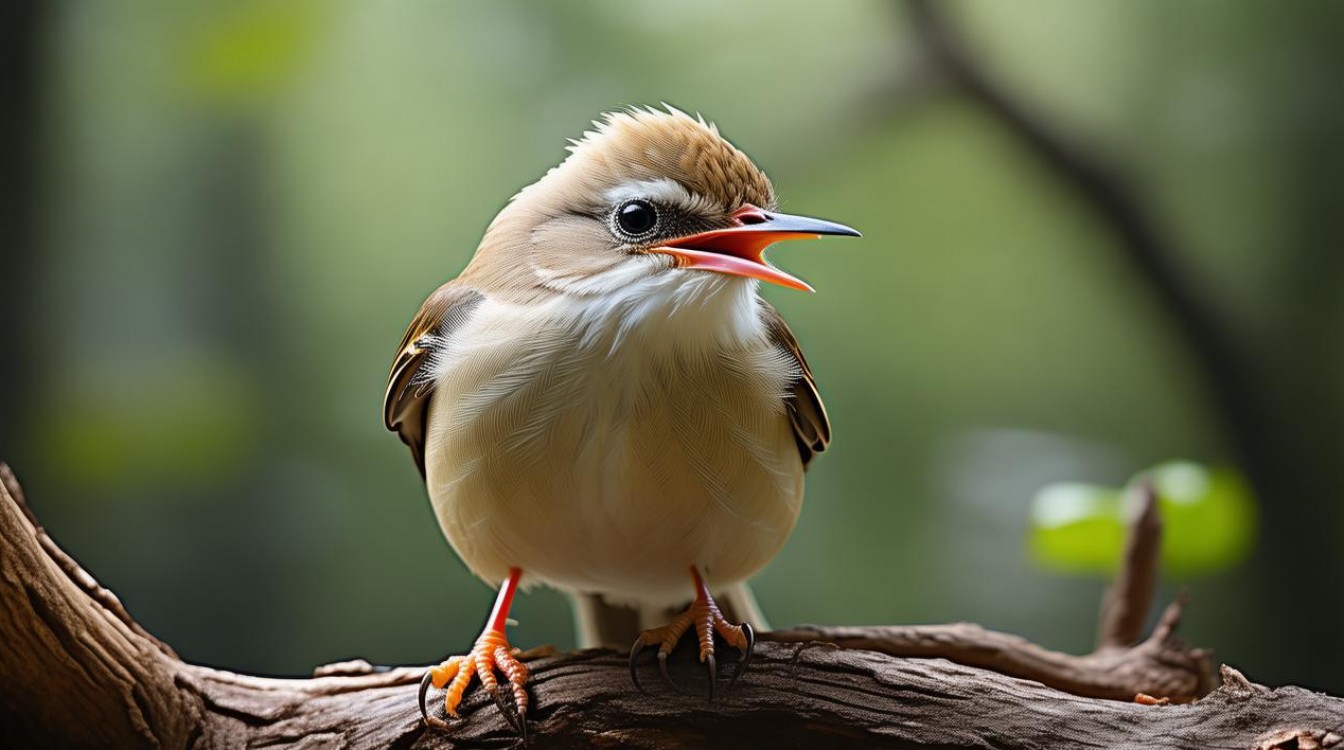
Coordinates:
(661, 190)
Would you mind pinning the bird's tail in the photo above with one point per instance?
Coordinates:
(600, 623)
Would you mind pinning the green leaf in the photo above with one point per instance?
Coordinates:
(184, 420)
(242, 52)
(1208, 516)
(1077, 528)
(1208, 521)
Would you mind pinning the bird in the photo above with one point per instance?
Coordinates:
(602, 402)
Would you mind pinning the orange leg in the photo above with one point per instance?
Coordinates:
(704, 614)
(490, 653)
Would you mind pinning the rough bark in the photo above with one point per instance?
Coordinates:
(79, 672)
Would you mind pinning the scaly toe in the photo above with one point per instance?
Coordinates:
(705, 616)
(665, 638)
(489, 655)
(517, 674)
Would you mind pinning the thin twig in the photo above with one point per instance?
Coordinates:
(1121, 667)
(1125, 605)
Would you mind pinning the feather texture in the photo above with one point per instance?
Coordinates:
(608, 445)
(406, 400)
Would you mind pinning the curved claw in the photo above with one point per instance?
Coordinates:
(424, 692)
(517, 722)
(432, 721)
(635, 651)
(712, 665)
(708, 621)
(667, 676)
(743, 662)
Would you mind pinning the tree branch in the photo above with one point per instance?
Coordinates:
(1105, 192)
(1160, 666)
(1124, 607)
(79, 672)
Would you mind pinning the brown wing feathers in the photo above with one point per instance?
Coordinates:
(406, 403)
(811, 427)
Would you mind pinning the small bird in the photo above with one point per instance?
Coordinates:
(602, 402)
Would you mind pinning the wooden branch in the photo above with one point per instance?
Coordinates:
(1124, 607)
(78, 672)
(1160, 666)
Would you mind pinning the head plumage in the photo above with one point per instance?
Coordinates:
(647, 143)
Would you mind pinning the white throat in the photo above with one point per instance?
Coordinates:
(671, 313)
(677, 311)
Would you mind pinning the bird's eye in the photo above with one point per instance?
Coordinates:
(636, 218)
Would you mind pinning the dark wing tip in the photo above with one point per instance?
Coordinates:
(807, 414)
(406, 400)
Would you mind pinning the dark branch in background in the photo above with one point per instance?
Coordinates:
(1279, 424)
(80, 673)
(1102, 189)
(23, 41)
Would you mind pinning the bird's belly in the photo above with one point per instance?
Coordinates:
(603, 475)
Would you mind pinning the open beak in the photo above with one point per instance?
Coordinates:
(739, 250)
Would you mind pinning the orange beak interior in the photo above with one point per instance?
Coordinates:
(739, 250)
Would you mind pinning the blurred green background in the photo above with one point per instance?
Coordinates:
(225, 214)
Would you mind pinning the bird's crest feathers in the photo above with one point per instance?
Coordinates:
(645, 143)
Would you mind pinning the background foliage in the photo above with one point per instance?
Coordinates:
(237, 208)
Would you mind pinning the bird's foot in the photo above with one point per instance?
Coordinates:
(490, 654)
(704, 614)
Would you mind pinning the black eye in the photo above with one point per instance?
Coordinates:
(636, 217)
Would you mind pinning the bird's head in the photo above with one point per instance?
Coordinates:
(647, 193)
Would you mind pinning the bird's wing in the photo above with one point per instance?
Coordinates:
(811, 428)
(406, 404)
